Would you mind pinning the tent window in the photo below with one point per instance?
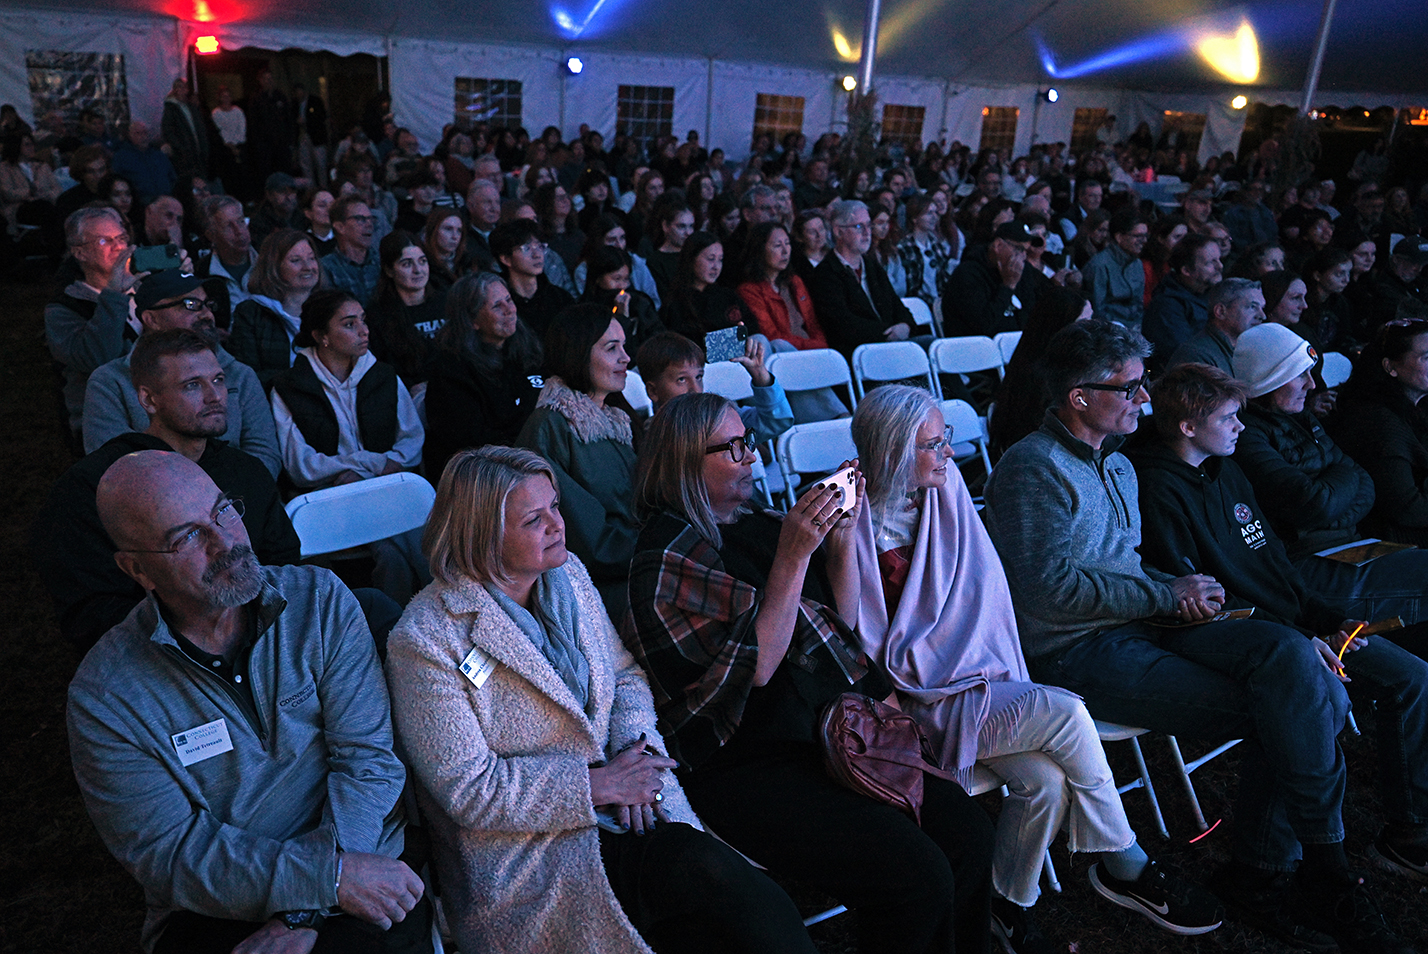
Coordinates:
(999, 128)
(777, 115)
(903, 124)
(1083, 128)
(69, 82)
(645, 112)
(1181, 131)
(494, 101)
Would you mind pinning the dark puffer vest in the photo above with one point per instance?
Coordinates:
(312, 412)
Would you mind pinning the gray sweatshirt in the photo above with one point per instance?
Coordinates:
(253, 823)
(1065, 522)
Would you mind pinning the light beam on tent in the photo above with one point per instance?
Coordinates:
(1233, 53)
(571, 26)
(846, 51)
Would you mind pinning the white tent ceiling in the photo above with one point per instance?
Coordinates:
(1376, 45)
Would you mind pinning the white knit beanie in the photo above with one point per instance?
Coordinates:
(1269, 356)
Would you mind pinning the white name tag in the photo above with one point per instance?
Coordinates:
(203, 742)
(477, 666)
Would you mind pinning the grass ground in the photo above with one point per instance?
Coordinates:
(60, 891)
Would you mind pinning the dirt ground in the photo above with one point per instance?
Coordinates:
(60, 891)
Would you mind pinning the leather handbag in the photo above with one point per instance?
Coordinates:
(877, 751)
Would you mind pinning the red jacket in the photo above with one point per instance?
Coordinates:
(771, 313)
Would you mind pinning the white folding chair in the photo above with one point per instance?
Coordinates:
(636, 394)
(965, 355)
(1185, 768)
(969, 433)
(811, 370)
(1337, 368)
(356, 514)
(728, 380)
(1110, 732)
(922, 314)
(891, 361)
(1006, 344)
(816, 448)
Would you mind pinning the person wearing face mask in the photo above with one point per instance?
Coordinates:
(581, 424)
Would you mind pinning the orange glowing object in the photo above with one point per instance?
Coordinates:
(206, 44)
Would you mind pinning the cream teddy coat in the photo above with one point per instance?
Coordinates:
(503, 769)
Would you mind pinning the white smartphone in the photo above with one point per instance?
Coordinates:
(846, 481)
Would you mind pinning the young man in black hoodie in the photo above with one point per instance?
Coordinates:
(1198, 510)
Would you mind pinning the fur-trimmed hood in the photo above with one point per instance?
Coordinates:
(590, 422)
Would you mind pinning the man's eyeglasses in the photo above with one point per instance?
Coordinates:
(188, 304)
(738, 448)
(229, 509)
(530, 248)
(1127, 391)
(110, 241)
(933, 447)
(856, 226)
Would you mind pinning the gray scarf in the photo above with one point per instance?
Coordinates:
(552, 628)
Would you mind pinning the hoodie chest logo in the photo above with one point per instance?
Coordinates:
(1251, 530)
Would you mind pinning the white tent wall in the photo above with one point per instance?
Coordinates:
(152, 49)
(736, 89)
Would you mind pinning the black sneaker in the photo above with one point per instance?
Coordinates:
(1172, 903)
(1346, 911)
(1016, 929)
(1410, 862)
(1265, 903)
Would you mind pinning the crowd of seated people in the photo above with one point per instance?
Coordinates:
(606, 652)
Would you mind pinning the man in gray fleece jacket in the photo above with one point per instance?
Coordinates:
(232, 737)
(1141, 649)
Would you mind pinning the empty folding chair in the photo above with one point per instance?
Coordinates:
(816, 448)
(890, 361)
(966, 355)
(1337, 368)
(728, 380)
(636, 394)
(353, 515)
(1006, 344)
(805, 375)
(922, 314)
(969, 433)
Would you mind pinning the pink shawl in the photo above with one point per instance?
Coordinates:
(951, 647)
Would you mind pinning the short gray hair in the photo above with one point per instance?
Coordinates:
(78, 222)
(670, 474)
(215, 204)
(1089, 352)
(842, 211)
(885, 430)
(466, 530)
(1229, 291)
(753, 194)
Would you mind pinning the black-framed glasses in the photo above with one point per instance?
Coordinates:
(933, 447)
(228, 510)
(189, 304)
(738, 448)
(1127, 391)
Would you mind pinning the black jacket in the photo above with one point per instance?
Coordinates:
(977, 302)
(538, 310)
(75, 557)
(1376, 425)
(1209, 516)
(847, 315)
(1314, 493)
(315, 418)
(697, 313)
(471, 406)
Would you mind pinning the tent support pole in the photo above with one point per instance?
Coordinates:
(1311, 82)
(709, 106)
(870, 45)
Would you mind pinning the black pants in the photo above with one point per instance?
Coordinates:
(189, 933)
(686, 892)
(913, 890)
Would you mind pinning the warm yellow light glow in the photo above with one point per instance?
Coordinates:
(202, 12)
(1240, 102)
(1235, 57)
(206, 45)
(845, 50)
(850, 83)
